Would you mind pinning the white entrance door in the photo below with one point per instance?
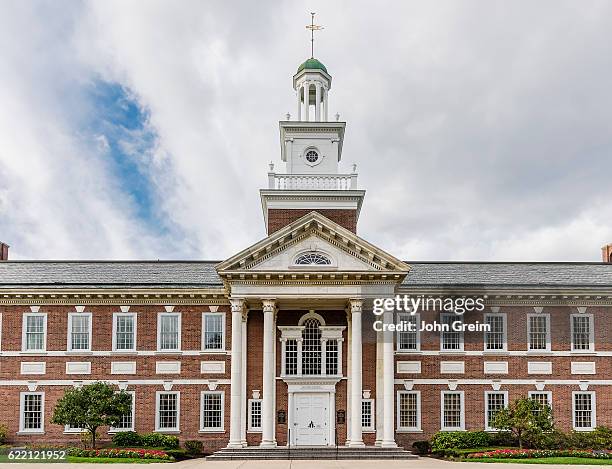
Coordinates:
(311, 415)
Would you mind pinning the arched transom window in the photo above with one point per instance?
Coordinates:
(312, 258)
(311, 348)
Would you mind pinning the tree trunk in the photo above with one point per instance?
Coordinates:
(93, 437)
(520, 440)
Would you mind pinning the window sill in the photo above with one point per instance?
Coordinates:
(583, 352)
(212, 430)
(452, 352)
(79, 352)
(115, 353)
(33, 352)
(584, 429)
(254, 431)
(121, 430)
(41, 432)
(539, 352)
(495, 352)
(168, 352)
(168, 432)
(408, 352)
(410, 431)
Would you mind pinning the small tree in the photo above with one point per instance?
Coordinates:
(522, 416)
(90, 407)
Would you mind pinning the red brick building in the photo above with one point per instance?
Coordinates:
(278, 343)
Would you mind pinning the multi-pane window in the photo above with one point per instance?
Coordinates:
(124, 338)
(543, 398)
(212, 411)
(331, 357)
(582, 332)
(584, 410)
(452, 410)
(311, 348)
(450, 339)
(367, 415)
(408, 340)
(408, 410)
(34, 332)
(167, 411)
(126, 422)
(495, 338)
(291, 357)
(32, 412)
(494, 401)
(538, 331)
(254, 415)
(213, 325)
(169, 332)
(79, 331)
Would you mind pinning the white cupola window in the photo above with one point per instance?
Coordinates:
(312, 258)
(311, 348)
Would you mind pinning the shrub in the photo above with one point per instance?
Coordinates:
(3, 432)
(459, 440)
(127, 439)
(554, 439)
(195, 446)
(503, 439)
(159, 440)
(600, 438)
(422, 447)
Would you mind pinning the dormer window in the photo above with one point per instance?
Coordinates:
(312, 258)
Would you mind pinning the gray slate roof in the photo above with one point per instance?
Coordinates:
(199, 274)
(180, 274)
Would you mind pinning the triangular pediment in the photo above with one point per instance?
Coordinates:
(314, 233)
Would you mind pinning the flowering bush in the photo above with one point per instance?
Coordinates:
(540, 453)
(132, 453)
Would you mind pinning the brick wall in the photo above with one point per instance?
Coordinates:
(279, 218)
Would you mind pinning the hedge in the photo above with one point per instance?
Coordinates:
(151, 440)
(540, 453)
(459, 440)
(131, 453)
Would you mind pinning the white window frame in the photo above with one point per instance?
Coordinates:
(504, 317)
(462, 412)
(160, 316)
(223, 332)
(68, 429)
(131, 429)
(461, 334)
(135, 319)
(215, 429)
(251, 428)
(178, 412)
(591, 332)
(548, 396)
(372, 427)
(418, 411)
(22, 396)
(488, 427)
(593, 411)
(548, 332)
(89, 331)
(24, 323)
(402, 317)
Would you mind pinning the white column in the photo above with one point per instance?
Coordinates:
(267, 407)
(356, 366)
(379, 388)
(238, 308)
(388, 385)
(349, 381)
(299, 103)
(317, 102)
(243, 410)
(306, 101)
(325, 97)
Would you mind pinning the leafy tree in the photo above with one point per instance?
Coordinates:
(90, 407)
(523, 416)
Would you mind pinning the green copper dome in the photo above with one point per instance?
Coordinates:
(312, 64)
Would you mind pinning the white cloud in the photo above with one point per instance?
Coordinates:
(481, 129)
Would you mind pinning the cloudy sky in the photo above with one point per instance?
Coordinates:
(482, 130)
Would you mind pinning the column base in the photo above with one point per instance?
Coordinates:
(356, 444)
(378, 443)
(234, 445)
(267, 444)
(388, 444)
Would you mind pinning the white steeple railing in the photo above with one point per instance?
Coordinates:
(337, 182)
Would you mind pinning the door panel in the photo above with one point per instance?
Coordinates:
(311, 426)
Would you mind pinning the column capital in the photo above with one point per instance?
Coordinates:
(356, 305)
(268, 305)
(238, 305)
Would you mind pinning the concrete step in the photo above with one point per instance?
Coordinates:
(282, 452)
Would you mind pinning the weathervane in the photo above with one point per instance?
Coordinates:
(313, 27)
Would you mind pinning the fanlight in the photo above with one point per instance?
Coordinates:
(313, 258)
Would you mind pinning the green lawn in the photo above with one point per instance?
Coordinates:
(559, 460)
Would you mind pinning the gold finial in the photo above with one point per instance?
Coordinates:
(313, 27)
